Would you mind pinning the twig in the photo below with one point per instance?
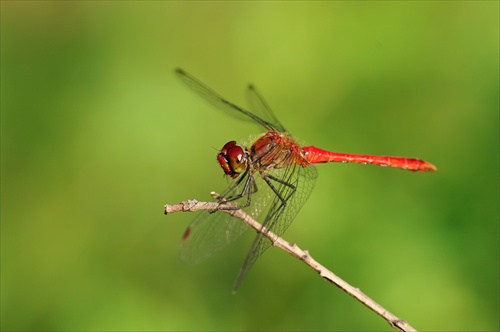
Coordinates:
(294, 250)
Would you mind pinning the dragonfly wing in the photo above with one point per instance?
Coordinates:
(279, 215)
(259, 106)
(217, 100)
(207, 234)
(210, 232)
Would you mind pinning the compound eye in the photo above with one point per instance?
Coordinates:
(232, 159)
(236, 158)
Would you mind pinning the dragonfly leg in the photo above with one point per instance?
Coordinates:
(249, 188)
(268, 178)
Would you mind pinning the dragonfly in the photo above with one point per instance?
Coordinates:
(271, 179)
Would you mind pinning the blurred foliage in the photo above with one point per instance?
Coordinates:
(97, 134)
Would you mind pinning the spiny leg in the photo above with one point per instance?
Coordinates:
(269, 177)
(249, 188)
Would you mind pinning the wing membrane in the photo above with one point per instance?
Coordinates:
(280, 216)
(221, 103)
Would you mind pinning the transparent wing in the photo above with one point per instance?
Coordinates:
(219, 102)
(279, 216)
(209, 232)
(259, 105)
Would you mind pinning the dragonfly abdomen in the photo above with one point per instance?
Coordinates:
(316, 155)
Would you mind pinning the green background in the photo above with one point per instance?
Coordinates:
(98, 134)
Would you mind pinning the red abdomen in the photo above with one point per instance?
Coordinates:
(315, 155)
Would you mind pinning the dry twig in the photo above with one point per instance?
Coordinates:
(294, 250)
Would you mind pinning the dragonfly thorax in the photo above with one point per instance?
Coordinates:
(233, 159)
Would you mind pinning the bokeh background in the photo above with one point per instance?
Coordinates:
(98, 134)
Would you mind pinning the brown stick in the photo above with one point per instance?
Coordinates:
(303, 255)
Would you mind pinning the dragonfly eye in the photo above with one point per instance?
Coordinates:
(232, 159)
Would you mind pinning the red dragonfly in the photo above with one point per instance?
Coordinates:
(272, 179)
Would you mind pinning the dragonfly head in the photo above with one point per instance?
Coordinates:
(233, 159)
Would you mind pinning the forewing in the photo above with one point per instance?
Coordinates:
(217, 100)
(259, 106)
(280, 216)
(207, 234)
(210, 232)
